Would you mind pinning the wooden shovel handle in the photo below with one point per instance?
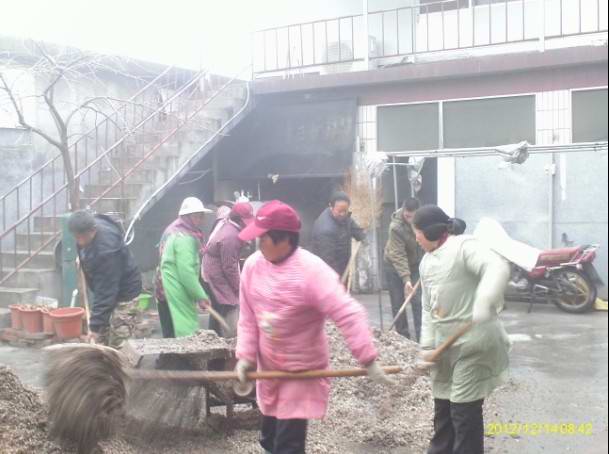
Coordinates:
(196, 375)
(434, 355)
(403, 308)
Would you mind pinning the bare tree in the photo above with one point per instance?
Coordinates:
(62, 67)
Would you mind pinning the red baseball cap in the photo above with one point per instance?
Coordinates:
(245, 211)
(274, 215)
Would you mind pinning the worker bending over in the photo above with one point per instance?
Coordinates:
(108, 266)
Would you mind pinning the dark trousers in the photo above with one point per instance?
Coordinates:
(283, 436)
(458, 428)
(165, 319)
(395, 285)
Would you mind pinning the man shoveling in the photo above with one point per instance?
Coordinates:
(108, 266)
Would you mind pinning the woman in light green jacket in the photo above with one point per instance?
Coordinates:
(462, 282)
(179, 291)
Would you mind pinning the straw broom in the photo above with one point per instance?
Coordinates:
(366, 206)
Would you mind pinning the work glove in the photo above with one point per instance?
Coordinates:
(422, 364)
(242, 368)
(243, 387)
(378, 376)
(204, 304)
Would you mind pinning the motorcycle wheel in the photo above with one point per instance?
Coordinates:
(580, 293)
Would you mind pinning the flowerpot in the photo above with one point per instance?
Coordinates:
(31, 319)
(68, 322)
(15, 316)
(48, 325)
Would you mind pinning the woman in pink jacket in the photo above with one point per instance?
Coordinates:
(286, 295)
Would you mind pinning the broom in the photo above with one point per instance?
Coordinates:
(90, 388)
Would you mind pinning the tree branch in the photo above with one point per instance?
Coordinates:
(21, 117)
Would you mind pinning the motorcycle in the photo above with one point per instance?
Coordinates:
(565, 277)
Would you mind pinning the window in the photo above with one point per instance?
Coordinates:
(436, 6)
(408, 127)
(489, 122)
(589, 115)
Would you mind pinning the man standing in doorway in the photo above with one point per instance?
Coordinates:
(402, 258)
(333, 231)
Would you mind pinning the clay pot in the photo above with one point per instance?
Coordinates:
(15, 316)
(48, 325)
(31, 319)
(68, 322)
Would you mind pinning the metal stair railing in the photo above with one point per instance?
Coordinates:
(51, 201)
(129, 234)
(53, 166)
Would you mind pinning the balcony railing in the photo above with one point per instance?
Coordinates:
(425, 27)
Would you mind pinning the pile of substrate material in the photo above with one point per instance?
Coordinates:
(362, 416)
(22, 418)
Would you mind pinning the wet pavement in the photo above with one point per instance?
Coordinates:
(558, 376)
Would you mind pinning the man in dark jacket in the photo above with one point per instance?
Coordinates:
(333, 231)
(402, 258)
(109, 268)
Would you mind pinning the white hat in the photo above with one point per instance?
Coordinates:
(192, 205)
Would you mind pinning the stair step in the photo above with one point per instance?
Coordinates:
(220, 114)
(169, 150)
(47, 224)
(140, 176)
(44, 259)
(125, 163)
(110, 204)
(17, 295)
(130, 190)
(48, 279)
(35, 240)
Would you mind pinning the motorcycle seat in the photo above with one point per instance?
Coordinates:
(557, 256)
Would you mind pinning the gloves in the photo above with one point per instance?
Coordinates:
(242, 367)
(378, 376)
(422, 364)
(204, 304)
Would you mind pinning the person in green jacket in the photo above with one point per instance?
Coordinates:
(180, 293)
(463, 282)
(402, 258)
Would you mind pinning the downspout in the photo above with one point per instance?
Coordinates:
(366, 34)
(395, 186)
(551, 202)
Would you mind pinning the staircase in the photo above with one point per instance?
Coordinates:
(122, 165)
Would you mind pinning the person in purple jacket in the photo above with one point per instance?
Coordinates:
(221, 266)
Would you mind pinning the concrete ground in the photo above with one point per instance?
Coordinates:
(558, 375)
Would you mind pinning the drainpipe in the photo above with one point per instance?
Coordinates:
(366, 34)
(395, 186)
(542, 25)
(551, 202)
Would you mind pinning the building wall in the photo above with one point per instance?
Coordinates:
(550, 200)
